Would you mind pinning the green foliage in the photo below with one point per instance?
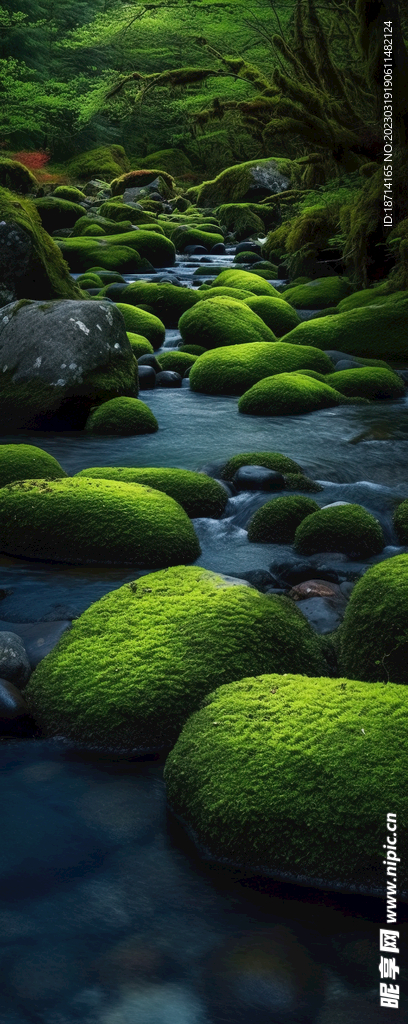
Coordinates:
(276, 522)
(265, 774)
(47, 275)
(24, 461)
(197, 493)
(373, 331)
(122, 416)
(234, 369)
(347, 528)
(374, 634)
(270, 460)
(223, 321)
(288, 394)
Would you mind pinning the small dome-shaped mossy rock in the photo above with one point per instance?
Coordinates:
(139, 321)
(278, 315)
(346, 528)
(401, 521)
(140, 345)
(198, 494)
(290, 776)
(320, 293)
(223, 321)
(94, 522)
(137, 663)
(234, 369)
(184, 235)
(25, 461)
(276, 522)
(122, 416)
(374, 632)
(288, 394)
(372, 382)
(57, 213)
(244, 279)
(270, 460)
(373, 331)
(168, 301)
(178, 361)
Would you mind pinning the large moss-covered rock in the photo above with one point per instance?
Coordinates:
(169, 301)
(288, 394)
(83, 253)
(178, 361)
(401, 521)
(243, 219)
(117, 210)
(58, 213)
(26, 461)
(273, 773)
(374, 633)
(373, 331)
(16, 177)
(60, 358)
(31, 265)
(140, 345)
(74, 195)
(234, 369)
(347, 528)
(93, 225)
(198, 494)
(276, 522)
(370, 297)
(244, 279)
(205, 291)
(174, 161)
(320, 293)
(223, 321)
(276, 313)
(185, 235)
(94, 522)
(122, 416)
(247, 182)
(137, 663)
(373, 382)
(140, 178)
(102, 163)
(140, 321)
(269, 460)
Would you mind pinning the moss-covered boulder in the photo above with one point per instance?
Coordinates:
(205, 291)
(57, 213)
(84, 253)
(371, 382)
(288, 394)
(246, 182)
(271, 773)
(169, 301)
(89, 280)
(198, 494)
(223, 321)
(93, 225)
(16, 177)
(194, 350)
(276, 313)
(243, 279)
(374, 633)
(94, 522)
(320, 293)
(102, 163)
(375, 331)
(346, 528)
(140, 179)
(233, 370)
(69, 192)
(243, 219)
(116, 210)
(139, 321)
(178, 361)
(269, 460)
(122, 416)
(25, 461)
(174, 161)
(185, 235)
(38, 269)
(401, 522)
(276, 522)
(370, 297)
(137, 663)
(140, 345)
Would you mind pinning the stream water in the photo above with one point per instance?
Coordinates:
(107, 915)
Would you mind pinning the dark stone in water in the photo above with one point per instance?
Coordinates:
(261, 579)
(15, 717)
(248, 247)
(147, 378)
(297, 572)
(14, 663)
(168, 379)
(218, 249)
(257, 478)
(37, 639)
(195, 250)
(149, 360)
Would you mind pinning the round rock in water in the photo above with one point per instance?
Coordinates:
(147, 378)
(149, 360)
(168, 379)
(14, 663)
(257, 478)
(248, 247)
(195, 250)
(218, 249)
(15, 716)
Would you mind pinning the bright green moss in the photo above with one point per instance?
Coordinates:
(194, 350)
(91, 224)
(174, 161)
(290, 776)
(368, 382)
(245, 280)
(122, 416)
(169, 301)
(140, 345)
(149, 245)
(206, 291)
(90, 280)
(138, 321)
(94, 522)
(233, 370)
(373, 331)
(57, 213)
(370, 297)
(276, 313)
(25, 461)
(47, 275)
(287, 394)
(269, 460)
(137, 663)
(142, 177)
(300, 482)
(374, 634)
(234, 184)
(16, 177)
(116, 210)
(102, 163)
(184, 236)
(243, 219)
(178, 361)
(84, 253)
(401, 522)
(91, 230)
(69, 192)
(223, 321)
(198, 494)
(346, 528)
(276, 522)
(320, 293)
(316, 376)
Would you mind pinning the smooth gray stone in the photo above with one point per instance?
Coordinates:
(38, 638)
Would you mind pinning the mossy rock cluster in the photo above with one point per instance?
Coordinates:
(123, 417)
(26, 461)
(137, 663)
(374, 331)
(116, 211)
(184, 236)
(92, 225)
(276, 522)
(320, 293)
(273, 773)
(269, 460)
(369, 297)
(276, 313)
(372, 382)
(243, 219)
(246, 281)
(288, 394)
(16, 177)
(46, 274)
(58, 213)
(84, 254)
(374, 633)
(169, 301)
(102, 163)
(346, 528)
(223, 321)
(94, 522)
(174, 161)
(233, 370)
(199, 495)
(139, 321)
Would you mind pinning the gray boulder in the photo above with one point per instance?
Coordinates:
(14, 663)
(59, 358)
(15, 256)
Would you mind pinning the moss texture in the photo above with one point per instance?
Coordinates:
(178, 361)
(288, 394)
(174, 161)
(374, 633)
(206, 291)
(369, 297)
(373, 331)
(83, 254)
(275, 772)
(320, 293)
(194, 350)
(137, 663)
(184, 236)
(57, 213)
(168, 300)
(233, 185)
(300, 482)
(140, 178)
(245, 280)
(16, 177)
(47, 273)
(69, 192)
(122, 416)
(233, 370)
(243, 219)
(401, 521)
(140, 345)
(276, 522)
(346, 528)
(199, 495)
(270, 460)
(221, 322)
(102, 163)
(371, 382)
(276, 313)
(138, 321)
(92, 224)
(116, 210)
(94, 522)
(24, 461)
(89, 280)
